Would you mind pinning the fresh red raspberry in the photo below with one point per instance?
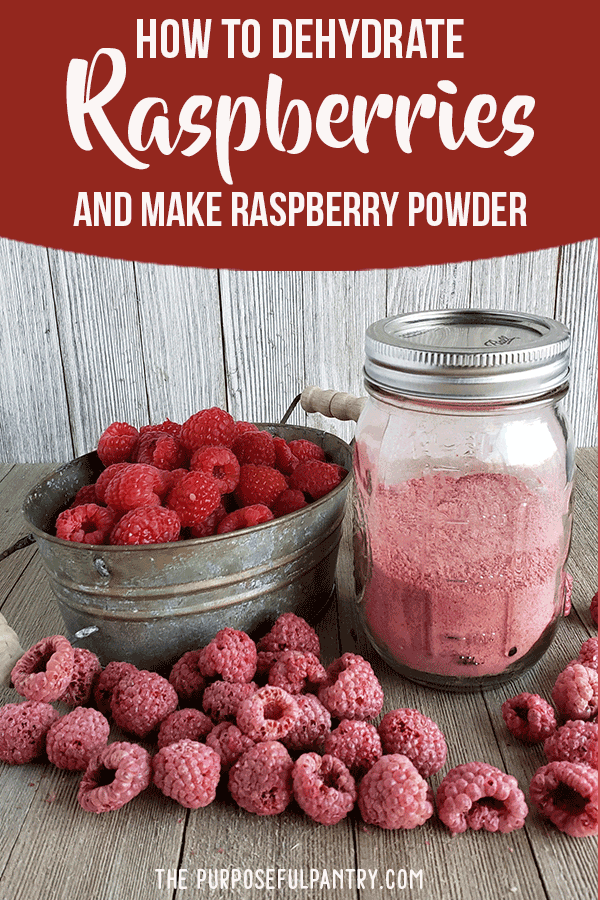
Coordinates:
(567, 794)
(23, 729)
(194, 497)
(172, 478)
(229, 743)
(567, 586)
(316, 478)
(477, 795)
(186, 679)
(594, 608)
(261, 779)
(285, 460)
(184, 723)
(117, 443)
(188, 772)
(529, 717)
(588, 655)
(107, 682)
(575, 741)
(161, 450)
(45, 670)
(167, 427)
(242, 427)
(575, 692)
(75, 738)
(255, 447)
(210, 524)
(351, 689)
(140, 702)
(259, 484)
(86, 524)
(219, 463)
(296, 671)
(303, 450)
(416, 736)
(291, 632)
(288, 501)
(268, 714)
(211, 426)
(222, 699)
(133, 486)
(231, 654)
(146, 525)
(323, 787)
(105, 478)
(356, 743)
(310, 728)
(392, 794)
(85, 495)
(247, 517)
(115, 776)
(86, 671)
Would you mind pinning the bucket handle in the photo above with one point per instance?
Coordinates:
(333, 404)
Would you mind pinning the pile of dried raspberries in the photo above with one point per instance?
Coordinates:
(211, 475)
(275, 726)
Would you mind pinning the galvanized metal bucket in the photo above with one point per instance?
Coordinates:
(150, 604)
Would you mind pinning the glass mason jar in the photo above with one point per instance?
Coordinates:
(463, 472)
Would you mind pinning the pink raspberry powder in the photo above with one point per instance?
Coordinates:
(463, 574)
(188, 772)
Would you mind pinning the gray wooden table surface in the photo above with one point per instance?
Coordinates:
(51, 848)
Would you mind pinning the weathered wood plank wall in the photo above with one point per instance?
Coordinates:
(85, 341)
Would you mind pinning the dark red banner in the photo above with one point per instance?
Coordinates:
(354, 135)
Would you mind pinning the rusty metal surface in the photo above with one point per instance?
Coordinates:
(150, 604)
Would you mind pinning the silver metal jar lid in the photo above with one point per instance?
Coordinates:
(466, 354)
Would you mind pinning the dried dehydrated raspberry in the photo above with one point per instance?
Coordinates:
(290, 632)
(255, 447)
(477, 795)
(211, 426)
(45, 670)
(594, 608)
(86, 494)
(117, 443)
(133, 486)
(316, 478)
(351, 689)
(105, 478)
(261, 780)
(23, 729)
(160, 449)
(392, 794)
(86, 524)
(268, 714)
(86, 671)
(415, 735)
(219, 463)
(229, 743)
(107, 682)
(184, 723)
(259, 484)
(222, 699)
(310, 728)
(188, 772)
(303, 450)
(529, 717)
(296, 671)
(264, 660)
(567, 587)
(287, 502)
(567, 794)
(187, 680)
(356, 743)
(575, 741)
(588, 655)
(246, 517)
(323, 787)
(115, 776)
(285, 460)
(75, 738)
(575, 692)
(231, 654)
(210, 524)
(146, 525)
(141, 700)
(194, 497)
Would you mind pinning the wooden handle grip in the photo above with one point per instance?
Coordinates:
(333, 404)
(10, 651)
